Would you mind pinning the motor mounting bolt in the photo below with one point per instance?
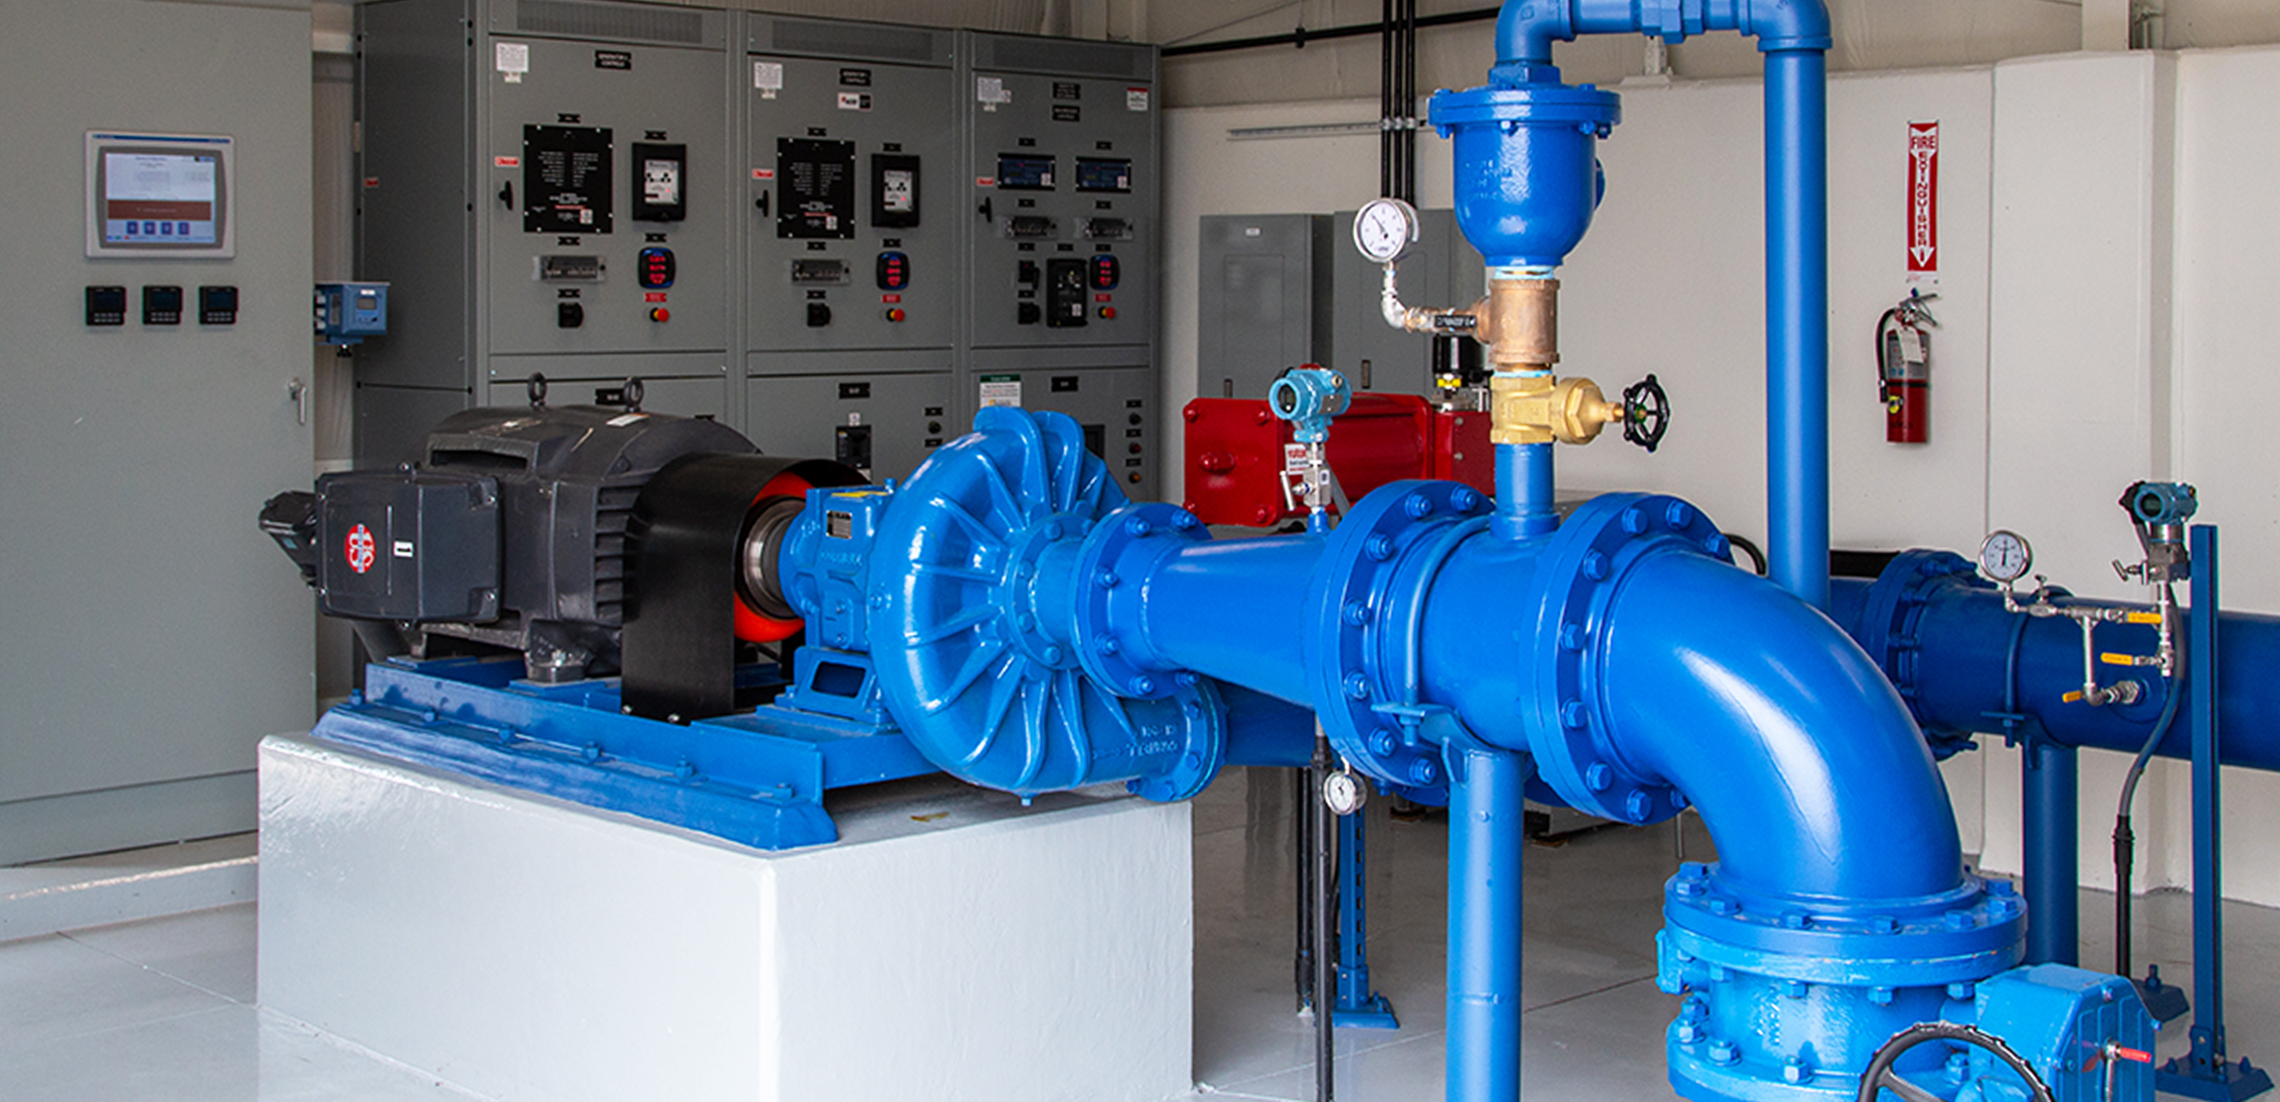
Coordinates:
(1574, 715)
(1357, 686)
(1424, 772)
(1634, 521)
(1139, 526)
(1794, 1071)
(1418, 506)
(1638, 805)
(1107, 645)
(1353, 613)
(1595, 566)
(1598, 776)
(1379, 547)
(1678, 515)
(1383, 742)
(1724, 1052)
(1143, 685)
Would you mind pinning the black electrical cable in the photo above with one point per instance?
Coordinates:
(1325, 908)
(2125, 839)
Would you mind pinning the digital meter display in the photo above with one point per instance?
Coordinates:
(1103, 175)
(1019, 173)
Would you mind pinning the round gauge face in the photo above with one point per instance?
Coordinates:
(1343, 792)
(1384, 229)
(2005, 556)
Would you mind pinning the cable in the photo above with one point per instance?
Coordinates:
(2125, 839)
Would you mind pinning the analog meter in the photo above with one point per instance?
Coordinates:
(2006, 557)
(1384, 229)
(1344, 792)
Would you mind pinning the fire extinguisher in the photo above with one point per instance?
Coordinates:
(1904, 368)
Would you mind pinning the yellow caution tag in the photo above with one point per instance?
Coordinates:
(2145, 618)
(2112, 659)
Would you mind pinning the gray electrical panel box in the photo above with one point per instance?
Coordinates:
(1264, 300)
(1061, 155)
(851, 280)
(545, 190)
(1441, 269)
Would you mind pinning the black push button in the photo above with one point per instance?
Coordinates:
(818, 314)
(569, 315)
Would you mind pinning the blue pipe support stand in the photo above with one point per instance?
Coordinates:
(2051, 788)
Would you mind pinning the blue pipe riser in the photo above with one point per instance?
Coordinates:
(1942, 635)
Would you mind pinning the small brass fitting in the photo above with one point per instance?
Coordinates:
(1520, 323)
(1538, 409)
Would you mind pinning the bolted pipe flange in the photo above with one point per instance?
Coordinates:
(1575, 582)
(1400, 532)
(1107, 617)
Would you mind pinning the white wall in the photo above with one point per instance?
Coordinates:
(2074, 357)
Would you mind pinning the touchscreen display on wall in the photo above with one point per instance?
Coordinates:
(153, 196)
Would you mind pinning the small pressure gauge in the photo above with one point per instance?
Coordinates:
(1344, 793)
(2006, 557)
(1384, 229)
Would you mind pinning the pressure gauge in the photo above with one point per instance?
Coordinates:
(2006, 557)
(1344, 793)
(1384, 229)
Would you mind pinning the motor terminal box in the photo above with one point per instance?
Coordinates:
(409, 546)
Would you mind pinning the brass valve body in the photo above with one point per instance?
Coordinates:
(1538, 409)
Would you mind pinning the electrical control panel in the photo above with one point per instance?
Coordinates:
(545, 188)
(1116, 406)
(882, 424)
(850, 196)
(1062, 191)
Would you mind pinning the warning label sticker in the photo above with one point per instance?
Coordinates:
(1001, 390)
(361, 549)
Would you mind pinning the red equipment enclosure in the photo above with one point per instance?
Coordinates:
(1235, 453)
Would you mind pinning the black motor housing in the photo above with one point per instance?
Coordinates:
(511, 531)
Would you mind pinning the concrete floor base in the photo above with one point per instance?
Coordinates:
(953, 944)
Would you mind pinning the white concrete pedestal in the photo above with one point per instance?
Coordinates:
(953, 945)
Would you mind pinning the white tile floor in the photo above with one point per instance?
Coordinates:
(163, 1008)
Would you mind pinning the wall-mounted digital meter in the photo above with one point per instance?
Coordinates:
(660, 173)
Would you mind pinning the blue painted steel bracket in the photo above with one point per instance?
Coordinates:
(755, 780)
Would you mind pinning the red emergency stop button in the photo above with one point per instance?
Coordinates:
(1108, 313)
(894, 313)
(659, 313)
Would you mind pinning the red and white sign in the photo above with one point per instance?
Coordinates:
(361, 549)
(1924, 197)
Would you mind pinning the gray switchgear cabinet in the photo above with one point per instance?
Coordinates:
(1061, 141)
(544, 190)
(908, 209)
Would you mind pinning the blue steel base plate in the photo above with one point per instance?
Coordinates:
(745, 779)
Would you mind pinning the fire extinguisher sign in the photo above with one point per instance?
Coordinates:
(1924, 199)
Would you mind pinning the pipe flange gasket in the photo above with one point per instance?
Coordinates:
(1118, 552)
(1577, 581)
(1381, 540)
(1969, 932)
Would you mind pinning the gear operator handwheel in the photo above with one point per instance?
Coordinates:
(1646, 413)
(1880, 1077)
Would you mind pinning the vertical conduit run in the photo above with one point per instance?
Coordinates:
(1486, 840)
(1797, 322)
(2053, 863)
